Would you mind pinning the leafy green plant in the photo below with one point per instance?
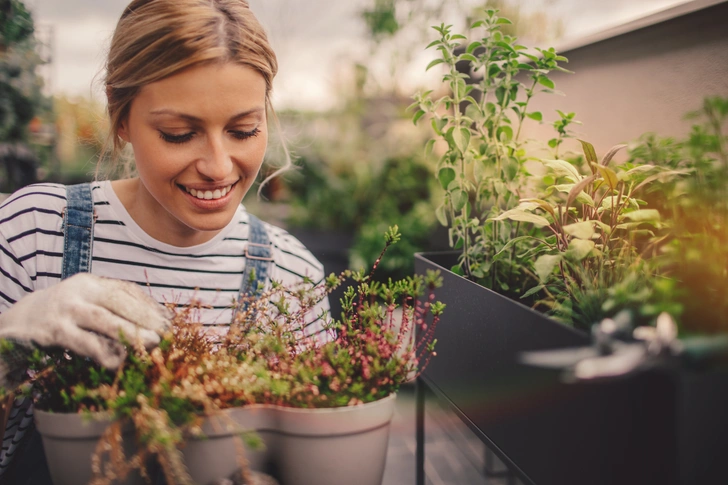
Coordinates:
(581, 241)
(697, 204)
(402, 196)
(596, 231)
(21, 97)
(563, 131)
(483, 168)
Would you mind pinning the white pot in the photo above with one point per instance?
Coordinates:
(334, 446)
(329, 446)
(217, 454)
(69, 441)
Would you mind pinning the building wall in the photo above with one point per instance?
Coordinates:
(641, 81)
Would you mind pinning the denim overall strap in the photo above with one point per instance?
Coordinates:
(258, 257)
(78, 231)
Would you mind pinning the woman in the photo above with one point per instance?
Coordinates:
(188, 84)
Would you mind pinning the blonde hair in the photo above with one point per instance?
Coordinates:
(155, 39)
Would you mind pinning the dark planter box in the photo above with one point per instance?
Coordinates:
(656, 427)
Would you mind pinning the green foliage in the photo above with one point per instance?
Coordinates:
(16, 23)
(64, 379)
(21, 99)
(695, 253)
(588, 238)
(265, 358)
(381, 20)
(365, 200)
(586, 297)
(483, 169)
(6, 346)
(563, 131)
(20, 86)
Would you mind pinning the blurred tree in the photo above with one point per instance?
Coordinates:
(20, 94)
(16, 24)
(381, 19)
(81, 127)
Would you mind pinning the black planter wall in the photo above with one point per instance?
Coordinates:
(655, 427)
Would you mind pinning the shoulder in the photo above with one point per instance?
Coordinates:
(290, 255)
(43, 196)
(35, 205)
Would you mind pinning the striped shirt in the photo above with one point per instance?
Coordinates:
(31, 256)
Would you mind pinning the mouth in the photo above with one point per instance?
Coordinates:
(209, 194)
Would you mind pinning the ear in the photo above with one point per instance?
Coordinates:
(123, 131)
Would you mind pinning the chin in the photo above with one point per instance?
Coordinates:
(209, 222)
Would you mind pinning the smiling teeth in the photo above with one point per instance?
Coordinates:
(209, 194)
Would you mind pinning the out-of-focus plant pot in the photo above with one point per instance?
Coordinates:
(69, 441)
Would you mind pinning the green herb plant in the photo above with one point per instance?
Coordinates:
(576, 242)
(483, 168)
(597, 233)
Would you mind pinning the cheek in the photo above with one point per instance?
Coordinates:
(257, 154)
(153, 161)
(156, 166)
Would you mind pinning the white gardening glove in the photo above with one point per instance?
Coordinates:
(86, 314)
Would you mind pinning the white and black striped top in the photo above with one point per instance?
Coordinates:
(31, 251)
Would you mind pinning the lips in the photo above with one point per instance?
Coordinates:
(209, 194)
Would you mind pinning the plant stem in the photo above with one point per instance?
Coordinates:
(529, 94)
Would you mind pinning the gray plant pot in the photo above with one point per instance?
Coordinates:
(219, 452)
(69, 441)
(302, 446)
(334, 446)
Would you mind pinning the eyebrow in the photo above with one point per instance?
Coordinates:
(179, 114)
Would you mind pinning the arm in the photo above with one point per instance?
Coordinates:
(86, 314)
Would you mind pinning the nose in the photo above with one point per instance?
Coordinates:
(216, 163)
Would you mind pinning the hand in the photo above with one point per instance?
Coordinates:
(256, 478)
(87, 314)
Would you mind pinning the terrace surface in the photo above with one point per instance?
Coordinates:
(453, 454)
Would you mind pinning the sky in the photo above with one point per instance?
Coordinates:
(315, 40)
(307, 50)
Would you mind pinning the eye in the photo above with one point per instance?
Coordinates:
(244, 135)
(176, 138)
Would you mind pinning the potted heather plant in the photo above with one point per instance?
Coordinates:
(538, 260)
(192, 401)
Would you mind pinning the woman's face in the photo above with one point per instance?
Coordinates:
(199, 138)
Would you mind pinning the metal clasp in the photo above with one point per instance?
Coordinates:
(259, 258)
(95, 215)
